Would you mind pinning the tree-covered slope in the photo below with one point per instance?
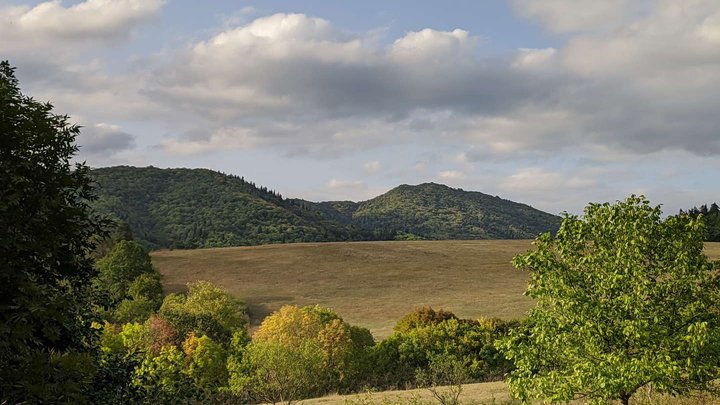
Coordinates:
(190, 208)
(436, 211)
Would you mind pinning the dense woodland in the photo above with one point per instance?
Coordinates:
(192, 208)
(711, 217)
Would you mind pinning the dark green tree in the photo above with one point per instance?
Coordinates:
(46, 231)
(125, 262)
(625, 299)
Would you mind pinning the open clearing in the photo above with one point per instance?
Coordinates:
(370, 284)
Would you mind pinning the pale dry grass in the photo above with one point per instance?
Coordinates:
(493, 393)
(371, 284)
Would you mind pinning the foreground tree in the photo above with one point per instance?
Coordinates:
(45, 241)
(625, 299)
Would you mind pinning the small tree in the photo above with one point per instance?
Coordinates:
(444, 378)
(625, 299)
(276, 372)
(205, 310)
(125, 262)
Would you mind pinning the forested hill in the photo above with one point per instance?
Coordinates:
(190, 208)
(436, 211)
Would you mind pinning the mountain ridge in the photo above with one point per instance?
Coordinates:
(192, 208)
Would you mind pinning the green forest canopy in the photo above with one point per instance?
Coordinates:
(193, 208)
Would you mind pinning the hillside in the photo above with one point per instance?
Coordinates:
(371, 284)
(191, 208)
(194, 208)
(436, 211)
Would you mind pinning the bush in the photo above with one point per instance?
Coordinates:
(422, 317)
(204, 310)
(134, 310)
(207, 362)
(163, 377)
(425, 335)
(277, 372)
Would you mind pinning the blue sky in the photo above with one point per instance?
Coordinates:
(554, 103)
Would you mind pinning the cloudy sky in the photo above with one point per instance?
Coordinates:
(550, 102)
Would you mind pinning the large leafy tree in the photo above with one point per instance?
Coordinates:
(625, 298)
(45, 241)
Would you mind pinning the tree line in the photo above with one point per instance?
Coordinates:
(711, 217)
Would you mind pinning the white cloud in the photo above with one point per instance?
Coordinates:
(451, 175)
(539, 179)
(534, 58)
(224, 139)
(373, 166)
(564, 16)
(346, 184)
(51, 26)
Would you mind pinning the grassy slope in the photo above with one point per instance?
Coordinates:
(370, 284)
(484, 393)
(493, 393)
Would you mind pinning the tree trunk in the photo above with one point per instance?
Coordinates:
(625, 399)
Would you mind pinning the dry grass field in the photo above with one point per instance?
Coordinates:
(371, 284)
(492, 393)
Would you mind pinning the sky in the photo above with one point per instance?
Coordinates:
(554, 103)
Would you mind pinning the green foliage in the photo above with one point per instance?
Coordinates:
(46, 230)
(192, 208)
(345, 349)
(277, 372)
(116, 367)
(148, 286)
(624, 299)
(422, 317)
(116, 231)
(146, 296)
(205, 310)
(444, 378)
(711, 217)
(207, 362)
(134, 310)
(425, 337)
(164, 379)
(125, 262)
(435, 211)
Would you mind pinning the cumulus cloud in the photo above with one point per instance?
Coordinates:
(51, 25)
(308, 86)
(564, 16)
(104, 140)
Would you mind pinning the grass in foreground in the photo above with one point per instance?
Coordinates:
(371, 284)
(492, 393)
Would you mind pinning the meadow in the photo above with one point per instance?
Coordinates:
(371, 284)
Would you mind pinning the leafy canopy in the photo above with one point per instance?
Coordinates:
(45, 237)
(625, 298)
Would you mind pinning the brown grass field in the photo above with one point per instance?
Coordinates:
(492, 393)
(370, 284)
